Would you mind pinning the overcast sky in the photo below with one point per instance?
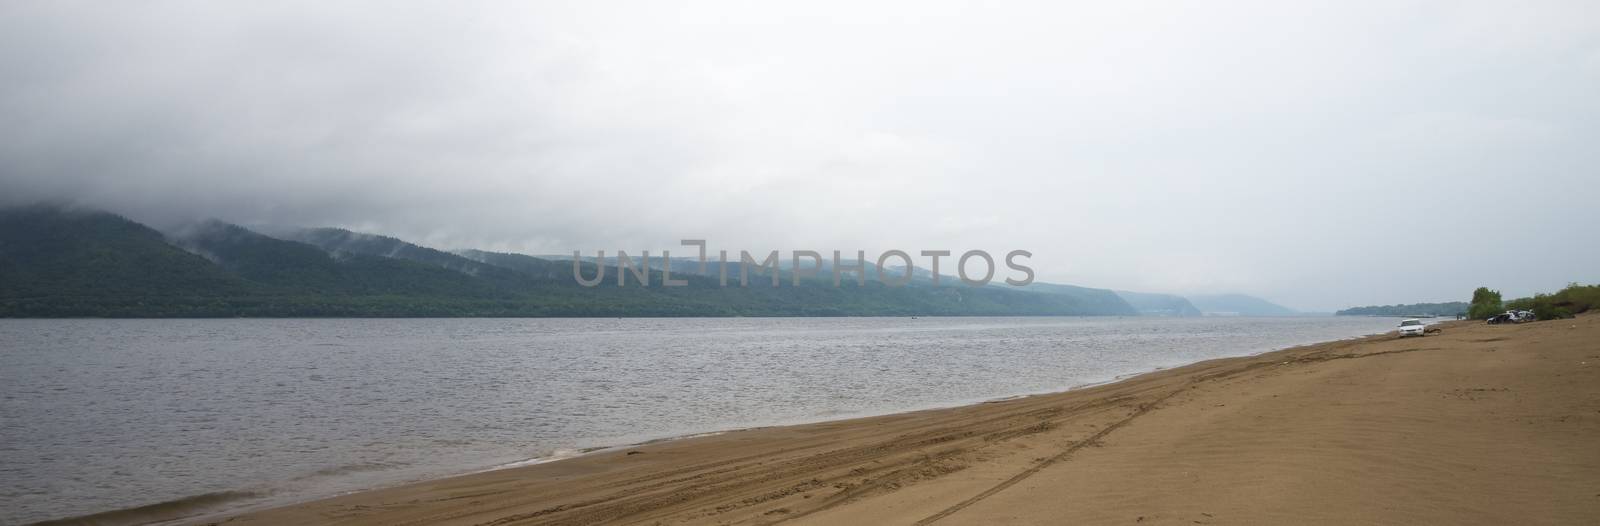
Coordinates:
(1320, 155)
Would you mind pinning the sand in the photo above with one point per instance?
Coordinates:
(1477, 425)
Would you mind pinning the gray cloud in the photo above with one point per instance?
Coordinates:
(1319, 154)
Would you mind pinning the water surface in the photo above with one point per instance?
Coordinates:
(98, 415)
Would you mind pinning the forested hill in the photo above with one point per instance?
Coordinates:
(57, 262)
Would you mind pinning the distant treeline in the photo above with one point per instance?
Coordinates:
(1450, 308)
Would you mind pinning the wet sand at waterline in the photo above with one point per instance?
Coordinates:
(1477, 425)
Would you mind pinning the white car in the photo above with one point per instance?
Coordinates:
(1412, 327)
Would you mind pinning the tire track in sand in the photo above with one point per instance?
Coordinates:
(1063, 455)
(1141, 411)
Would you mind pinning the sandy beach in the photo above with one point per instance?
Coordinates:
(1477, 425)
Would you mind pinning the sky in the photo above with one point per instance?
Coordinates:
(1317, 154)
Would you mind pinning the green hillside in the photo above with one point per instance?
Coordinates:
(57, 262)
(1100, 300)
(60, 262)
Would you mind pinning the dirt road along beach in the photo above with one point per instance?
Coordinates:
(1477, 425)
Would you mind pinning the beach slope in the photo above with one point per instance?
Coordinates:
(1477, 425)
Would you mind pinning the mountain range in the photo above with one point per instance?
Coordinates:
(1237, 305)
(1152, 304)
(62, 262)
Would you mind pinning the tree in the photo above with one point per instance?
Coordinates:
(1485, 303)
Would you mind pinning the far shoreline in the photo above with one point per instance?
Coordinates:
(918, 316)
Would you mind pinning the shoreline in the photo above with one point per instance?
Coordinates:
(682, 317)
(201, 508)
(954, 464)
(580, 453)
(535, 467)
(335, 479)
(207, 507)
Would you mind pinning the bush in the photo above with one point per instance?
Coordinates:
(1563, 304)
(1577, 298)
(1485, 303)
(1543, 310)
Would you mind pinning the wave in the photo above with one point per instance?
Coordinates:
(348, 469)
(558, 454)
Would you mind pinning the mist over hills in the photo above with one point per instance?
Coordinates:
(58, 262)
(1238, 305)
(1102, 298)
(1151, 304)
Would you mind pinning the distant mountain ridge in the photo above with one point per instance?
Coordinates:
(1105, 299)
(1104, 302)
(1238, 305)
(1151, 304)
(57, 262)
